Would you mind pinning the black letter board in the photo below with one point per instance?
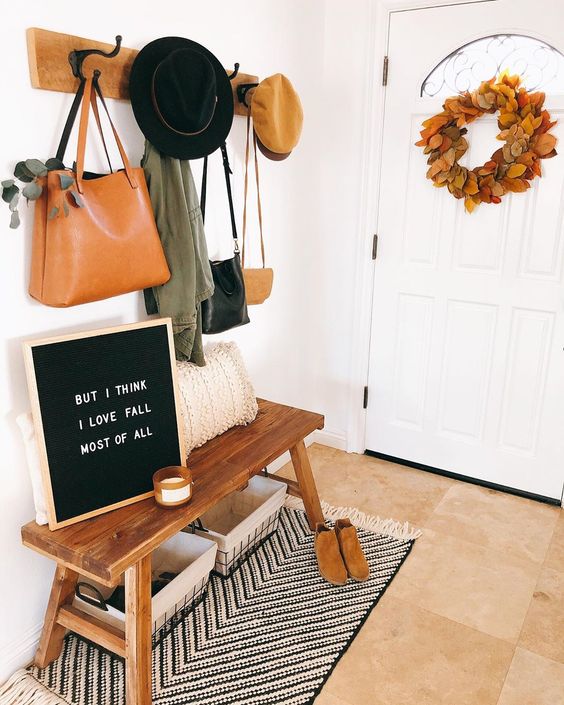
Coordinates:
(106, 416)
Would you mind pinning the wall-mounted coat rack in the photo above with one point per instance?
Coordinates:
(48, 54)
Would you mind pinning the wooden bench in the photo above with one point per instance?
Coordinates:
(107, 546)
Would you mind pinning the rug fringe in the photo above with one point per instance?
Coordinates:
(23, 689)
(375, 524)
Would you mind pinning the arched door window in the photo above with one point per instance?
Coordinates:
(540, 65)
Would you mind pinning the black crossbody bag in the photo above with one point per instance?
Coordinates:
(227, 307)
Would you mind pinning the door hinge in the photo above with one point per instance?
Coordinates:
(365, 398)
(375, 246)
(385, 71)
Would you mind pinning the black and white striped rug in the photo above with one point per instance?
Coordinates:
(269, 635)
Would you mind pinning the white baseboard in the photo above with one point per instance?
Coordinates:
(324, 438)
(328, 438)
(19, 653)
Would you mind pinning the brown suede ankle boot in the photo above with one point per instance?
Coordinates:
(351, 550)
(329, 557)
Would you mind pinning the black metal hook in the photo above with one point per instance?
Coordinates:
(76, 57)
(235, 72)
(242, 90)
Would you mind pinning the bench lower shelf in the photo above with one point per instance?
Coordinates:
(122, 541)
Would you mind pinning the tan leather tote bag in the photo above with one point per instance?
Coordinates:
(258, 281)
(94, 238)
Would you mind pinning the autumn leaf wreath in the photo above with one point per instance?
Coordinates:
(524, 125)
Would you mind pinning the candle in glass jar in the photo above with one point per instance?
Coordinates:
(173, 486)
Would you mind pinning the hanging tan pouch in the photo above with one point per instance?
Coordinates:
(258, 281)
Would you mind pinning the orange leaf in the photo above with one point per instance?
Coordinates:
(522, 98)
(544, 144)
(471, 187)
(516, 170)
(526, 158)
(445, 144)
(549, 155)
(437, 121)
(515, 185)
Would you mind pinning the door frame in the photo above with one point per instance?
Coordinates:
(379, 17)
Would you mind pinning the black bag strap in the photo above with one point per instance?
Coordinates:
(69, 124)
(227, 171)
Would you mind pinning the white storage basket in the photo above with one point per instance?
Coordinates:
(191, 557)
(242, 520)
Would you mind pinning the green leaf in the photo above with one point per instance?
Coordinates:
(14, 202)
(77, 199)
(53, 213)
(32, 191)
(54, 163)
(8, 192)
(66, 208)
(14, 220)
(36, 167)
(6, 184)
(22, 173)
(66, 181)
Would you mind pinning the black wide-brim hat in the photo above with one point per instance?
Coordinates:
(181, 97)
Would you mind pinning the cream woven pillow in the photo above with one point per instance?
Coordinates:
(216, 397)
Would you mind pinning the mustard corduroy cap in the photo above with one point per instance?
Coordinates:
(277, 116)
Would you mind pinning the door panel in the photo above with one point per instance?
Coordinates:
(466, 364)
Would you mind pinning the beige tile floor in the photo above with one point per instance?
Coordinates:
(476, 614)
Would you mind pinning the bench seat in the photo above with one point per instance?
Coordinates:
(105, 546)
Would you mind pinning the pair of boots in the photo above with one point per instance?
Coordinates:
(339, 553)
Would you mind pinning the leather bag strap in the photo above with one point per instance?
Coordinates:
(69, 124)
(203, 192)
(259, 206)
(89, 94)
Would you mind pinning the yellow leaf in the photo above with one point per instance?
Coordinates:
(459, 180)
(516, 170)
(469, 204)
(507, 119)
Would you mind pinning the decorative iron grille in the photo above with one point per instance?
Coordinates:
(539, 64)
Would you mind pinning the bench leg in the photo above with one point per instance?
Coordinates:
(306, 482)
(138, 652)
(62, 593)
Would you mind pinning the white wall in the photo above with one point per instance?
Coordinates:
(298, 345)
(277, 345)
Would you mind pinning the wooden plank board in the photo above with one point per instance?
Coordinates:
(107, 545)
(138, 633)
(49, 67)
(102, 633)
(306, 483)
(62, 593)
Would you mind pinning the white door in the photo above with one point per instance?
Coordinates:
(467, 363)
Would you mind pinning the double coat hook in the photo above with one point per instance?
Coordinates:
(76, 57)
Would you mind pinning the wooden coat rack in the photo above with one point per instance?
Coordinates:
(48, 54)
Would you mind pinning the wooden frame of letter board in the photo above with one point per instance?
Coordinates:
(38, 423)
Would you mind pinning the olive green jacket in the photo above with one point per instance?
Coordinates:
(179, 221)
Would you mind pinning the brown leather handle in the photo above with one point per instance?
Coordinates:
(259, 206)
(88, 98)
